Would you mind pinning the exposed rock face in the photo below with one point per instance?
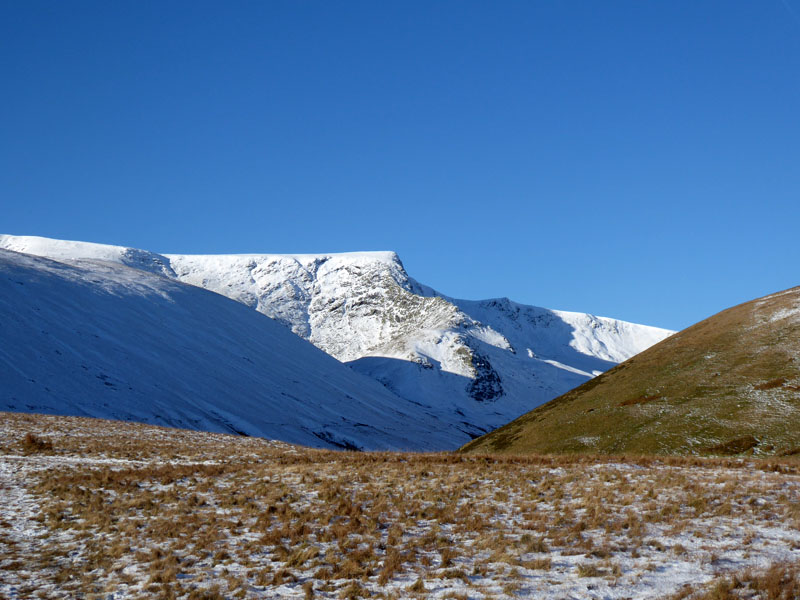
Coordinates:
(349, 305)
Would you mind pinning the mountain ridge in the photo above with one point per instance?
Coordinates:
(484, 361)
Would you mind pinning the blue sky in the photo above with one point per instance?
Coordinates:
(633, 159)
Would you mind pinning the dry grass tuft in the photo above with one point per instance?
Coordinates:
(32, 443)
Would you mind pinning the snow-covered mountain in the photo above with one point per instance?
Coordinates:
(97, 338)
(473, 364)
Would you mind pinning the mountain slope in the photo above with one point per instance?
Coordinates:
(474, 364)
(481, 363)
(727, 385)
(100, 339)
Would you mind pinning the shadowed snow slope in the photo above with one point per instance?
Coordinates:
(474, 364)
(105, 340)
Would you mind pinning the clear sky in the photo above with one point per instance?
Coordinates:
(633, 159)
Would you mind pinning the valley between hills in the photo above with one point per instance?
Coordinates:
(274, 426)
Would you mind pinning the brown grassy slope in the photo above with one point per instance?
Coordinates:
(727, 385)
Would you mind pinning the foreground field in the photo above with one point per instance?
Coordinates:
(108, 509)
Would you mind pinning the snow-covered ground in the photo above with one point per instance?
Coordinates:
(127, 511)
(100, 339)
(473, 365)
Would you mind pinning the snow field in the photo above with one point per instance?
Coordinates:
(127, 511)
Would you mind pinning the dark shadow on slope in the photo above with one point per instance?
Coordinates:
(440, 394)
(526, 384)
(404, 375)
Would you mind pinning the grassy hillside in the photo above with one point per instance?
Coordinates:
(727, 385)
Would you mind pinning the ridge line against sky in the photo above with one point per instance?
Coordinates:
(634, 160)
